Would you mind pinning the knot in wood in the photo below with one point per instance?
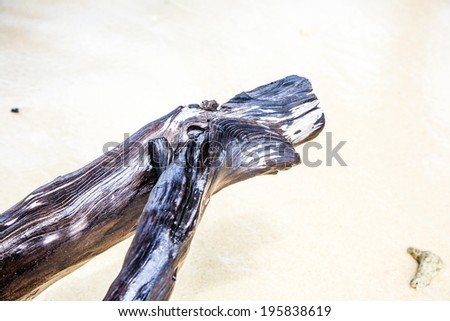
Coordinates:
(210, 105)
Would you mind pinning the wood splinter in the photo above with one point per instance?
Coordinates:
(429, 265)
(190, 154)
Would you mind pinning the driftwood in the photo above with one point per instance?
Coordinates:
(182, 159)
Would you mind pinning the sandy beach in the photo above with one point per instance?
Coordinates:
(85, 73)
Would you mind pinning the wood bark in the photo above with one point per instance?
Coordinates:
(162, 178)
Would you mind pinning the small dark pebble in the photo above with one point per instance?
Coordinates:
(15, 110)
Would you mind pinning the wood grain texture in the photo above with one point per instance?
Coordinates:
(195, 148)
(177, 202)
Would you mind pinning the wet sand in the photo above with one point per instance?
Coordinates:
(84, 74)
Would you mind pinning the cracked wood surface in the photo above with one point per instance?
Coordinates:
(63, 224)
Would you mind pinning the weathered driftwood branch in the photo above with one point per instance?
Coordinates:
(177, 201)
(193, 152)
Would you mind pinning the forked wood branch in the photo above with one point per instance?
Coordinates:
(190, 154)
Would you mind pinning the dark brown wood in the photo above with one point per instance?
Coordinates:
(178, 199)
(167, 171)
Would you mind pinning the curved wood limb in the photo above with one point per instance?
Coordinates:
(63, 224)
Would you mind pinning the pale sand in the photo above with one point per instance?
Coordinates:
(83, 74)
